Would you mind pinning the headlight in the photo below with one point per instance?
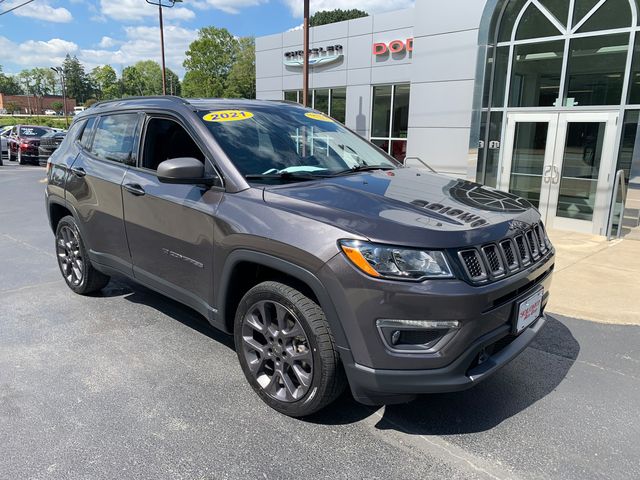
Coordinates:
(396, 262)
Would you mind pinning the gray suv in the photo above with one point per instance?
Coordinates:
(329, 262)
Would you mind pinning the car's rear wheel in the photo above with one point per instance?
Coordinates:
(286, 349)
(74, 263)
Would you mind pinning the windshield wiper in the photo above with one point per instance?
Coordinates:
(364, 168)
(285, 176)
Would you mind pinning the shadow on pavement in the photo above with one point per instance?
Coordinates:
(529, 378)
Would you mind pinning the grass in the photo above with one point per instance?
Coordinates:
(57, 122)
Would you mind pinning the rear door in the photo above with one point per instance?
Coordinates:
(94, 186)
(171, 227)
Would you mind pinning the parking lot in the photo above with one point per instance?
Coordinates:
(128, 384)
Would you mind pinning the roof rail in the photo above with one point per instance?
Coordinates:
(172, 98)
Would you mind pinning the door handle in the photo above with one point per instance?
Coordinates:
(78, 171)
(556, 175)
(134, 189)
(546, 175)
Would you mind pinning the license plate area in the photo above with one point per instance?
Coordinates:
(528, 311)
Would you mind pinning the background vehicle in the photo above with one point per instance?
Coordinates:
(50, 112)
(4, 144)
(49, 142)
(322, 255)
(24, 141)
(77, 110)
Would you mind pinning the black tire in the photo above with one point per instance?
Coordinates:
(73, 261)
(327, 379)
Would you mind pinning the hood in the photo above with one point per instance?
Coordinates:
(409, 207)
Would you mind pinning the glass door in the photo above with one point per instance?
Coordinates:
(583, 161)
(561, 163)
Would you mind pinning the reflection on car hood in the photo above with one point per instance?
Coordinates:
(408, 207)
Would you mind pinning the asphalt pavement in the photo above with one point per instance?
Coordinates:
(128, 384)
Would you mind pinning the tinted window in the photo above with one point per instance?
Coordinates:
(166, 139)
(288, 138)
(115, 136)
(33, 131)
(85, 136)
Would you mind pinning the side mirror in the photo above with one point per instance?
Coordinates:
(184, 170)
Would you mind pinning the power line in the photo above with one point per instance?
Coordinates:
(16, 7)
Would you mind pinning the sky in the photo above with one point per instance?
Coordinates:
(122, 32)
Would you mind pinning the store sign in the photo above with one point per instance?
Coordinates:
(317, 56)
(394, 46)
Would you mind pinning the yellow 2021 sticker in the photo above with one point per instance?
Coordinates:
(227, 116)
(318, 116)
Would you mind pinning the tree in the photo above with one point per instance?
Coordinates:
(77, 81)
(332, 16)
(132, 81)
(242, 76)
(174, 87)
(151, 77)
(105, 82)
(12, 107)
(208, 63)
(57, 106)
(9, 85)
(90, 101)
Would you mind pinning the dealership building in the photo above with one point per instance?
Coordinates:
(537, 97)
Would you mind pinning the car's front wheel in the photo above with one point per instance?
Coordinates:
(74, 263)
(286, 349)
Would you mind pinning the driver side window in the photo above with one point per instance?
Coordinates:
(166, 139)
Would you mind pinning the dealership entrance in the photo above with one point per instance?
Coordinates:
(560, 90)
(560, 162)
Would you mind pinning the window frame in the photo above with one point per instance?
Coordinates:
(312, 93)
(134, 149)
(388, 138)
(148, 116)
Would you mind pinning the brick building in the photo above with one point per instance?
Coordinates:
(31, 104)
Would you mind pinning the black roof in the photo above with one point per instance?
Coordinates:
(169, 100)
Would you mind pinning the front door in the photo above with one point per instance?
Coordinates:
(561, 162)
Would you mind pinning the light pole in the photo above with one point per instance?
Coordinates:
(161, 4)
(305, 47)
(60, 72)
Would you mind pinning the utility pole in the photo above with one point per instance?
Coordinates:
(163, 4)
(305, 47)
(60, 72)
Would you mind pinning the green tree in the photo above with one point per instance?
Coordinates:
(57, 106)
(332, 16)
(208, 63)
(174, 87)
(9, 84)
(12, 107)
(132, 82)
(90, 101)
(77, 81)
(151, 77)
(105, 82)
(241, 82)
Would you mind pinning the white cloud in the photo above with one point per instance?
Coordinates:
(134, 10)
(228, 6)
(107, 42)
(41, 10)
(372, 6)
(142, 43)
(33, 53)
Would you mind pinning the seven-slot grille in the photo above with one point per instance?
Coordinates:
(496, 260)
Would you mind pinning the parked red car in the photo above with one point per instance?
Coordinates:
(24, 141)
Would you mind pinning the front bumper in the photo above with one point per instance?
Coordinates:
(378, 374)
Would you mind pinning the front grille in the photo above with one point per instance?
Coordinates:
(508, 256)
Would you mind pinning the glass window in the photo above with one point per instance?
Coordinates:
(165, 139)
(611, 14)
(534, 24)
(596, 69)
(339, 104)
(321, 100)
(629, 144)
(508, 19)
(535, 76)
(527, 162)
(581, 8)
(500, 76)
(280, 139)
(381, 114)
(400, 120)
(493, 149)
(85, 136)
(558, 8)
(634, 79)
(291, 96)
(115, 137)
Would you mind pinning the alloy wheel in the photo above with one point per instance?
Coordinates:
(69, 255)
(277, 351)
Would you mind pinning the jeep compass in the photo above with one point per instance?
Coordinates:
(330, 263)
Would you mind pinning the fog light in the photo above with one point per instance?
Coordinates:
(416, 336)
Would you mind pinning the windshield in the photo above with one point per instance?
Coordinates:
(289, 140)
(33, 131)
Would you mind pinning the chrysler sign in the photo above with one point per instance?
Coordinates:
(317, 56)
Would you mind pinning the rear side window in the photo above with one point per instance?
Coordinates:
(85, 136)
(114, 138)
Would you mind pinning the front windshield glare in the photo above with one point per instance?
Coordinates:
(289, 140)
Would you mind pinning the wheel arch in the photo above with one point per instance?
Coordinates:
(239, 262)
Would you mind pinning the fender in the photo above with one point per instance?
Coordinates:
(291, 269)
